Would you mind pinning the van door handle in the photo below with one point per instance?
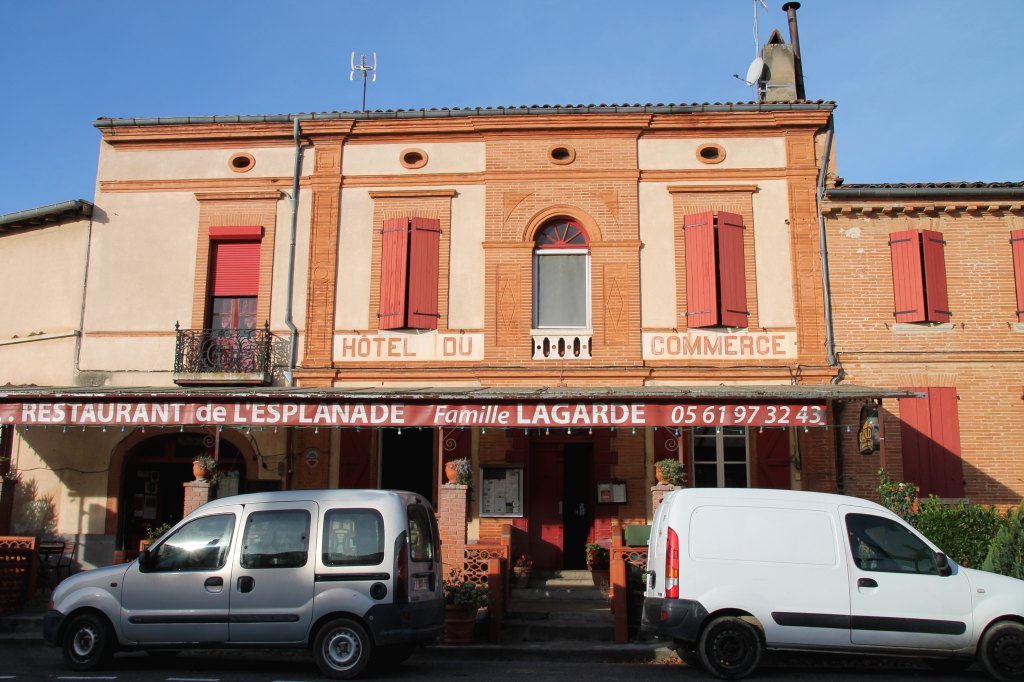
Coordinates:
(866, 582)
(246, 583)
(216, 582)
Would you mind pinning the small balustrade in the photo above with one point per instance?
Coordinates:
(561, 345)
(241, 356)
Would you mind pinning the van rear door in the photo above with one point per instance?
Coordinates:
(273, 575)
(898, 595)
(424, 579)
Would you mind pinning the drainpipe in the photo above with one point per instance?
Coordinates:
(293, 339)
(830, 344)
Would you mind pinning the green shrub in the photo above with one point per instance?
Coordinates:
(963, 531)
(1006, 553)
(900, 498)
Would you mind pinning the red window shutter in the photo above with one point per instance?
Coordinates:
(701, 270)
(907, 280)
(393, 272)
(732, 270)
(424, 251)
(235, 268)
(930, 431)
(223, 233)
(933, 253)
(1017, 246)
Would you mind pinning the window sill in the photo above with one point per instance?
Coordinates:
(561, 344)
(925, 327)
(1018, 326)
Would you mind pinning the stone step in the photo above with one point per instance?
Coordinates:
(567, 593)
(551, 620)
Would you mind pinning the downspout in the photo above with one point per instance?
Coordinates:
(830, 344)
(293, 339)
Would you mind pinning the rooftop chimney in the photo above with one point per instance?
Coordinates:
(790, 9)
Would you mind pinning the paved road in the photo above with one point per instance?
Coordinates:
(25, 663)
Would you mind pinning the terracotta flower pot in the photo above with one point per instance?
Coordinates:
(520, 576)
(661, 477)
(450, 471)
(458, 624)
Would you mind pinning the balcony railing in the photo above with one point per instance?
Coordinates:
(222, 356)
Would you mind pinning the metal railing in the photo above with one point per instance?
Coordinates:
(228, 351)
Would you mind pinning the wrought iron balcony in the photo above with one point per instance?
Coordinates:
(223, 356)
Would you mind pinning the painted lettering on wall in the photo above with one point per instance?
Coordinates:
(407, 347)
(719, 346)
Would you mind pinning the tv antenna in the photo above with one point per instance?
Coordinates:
(365, 69)
(756, 69)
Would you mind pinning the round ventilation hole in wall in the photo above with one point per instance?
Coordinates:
(711, 153)
(561, 154)
(242, 162)
(414, 158)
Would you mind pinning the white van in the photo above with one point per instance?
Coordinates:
(733, 572)
(353, 574)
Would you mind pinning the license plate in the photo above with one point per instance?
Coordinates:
(420, 584)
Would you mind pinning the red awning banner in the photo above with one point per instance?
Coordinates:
(397, 414)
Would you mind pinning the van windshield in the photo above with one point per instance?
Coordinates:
(353, 537)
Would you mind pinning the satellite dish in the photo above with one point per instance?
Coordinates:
(755, 71)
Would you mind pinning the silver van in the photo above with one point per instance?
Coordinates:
(353, 574)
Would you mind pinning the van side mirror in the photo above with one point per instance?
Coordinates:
(146, 560)
(942, 563)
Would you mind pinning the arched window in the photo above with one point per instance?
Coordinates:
(561, 276)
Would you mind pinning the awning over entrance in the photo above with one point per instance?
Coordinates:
(669, 406)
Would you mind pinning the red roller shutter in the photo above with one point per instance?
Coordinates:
(424, 251)
(224, 233)
(235, 267)
(930, 434)
(701, 270)
(732, 270)
(932, 249)
(1017, 246)
(907, 280)
(393, 271)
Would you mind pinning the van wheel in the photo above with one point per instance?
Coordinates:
(88, 642)
(342, 649)
(1002, 651)
(730, 648)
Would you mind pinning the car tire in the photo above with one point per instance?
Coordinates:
(342, 649)
(1001, 651)
(88, 642)
(730, 648)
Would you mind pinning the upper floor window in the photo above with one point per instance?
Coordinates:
(234, 276)
(716, 282)
(410, 250)
(919, 276)
(561, 276)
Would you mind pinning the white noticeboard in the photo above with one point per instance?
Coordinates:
(501, 491)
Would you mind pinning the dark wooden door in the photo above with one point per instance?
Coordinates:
(545, 518)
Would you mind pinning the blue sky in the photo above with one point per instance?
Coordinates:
(927, 91)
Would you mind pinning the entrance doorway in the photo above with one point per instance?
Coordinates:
(407, 461)
(561, 504)
(155, 470)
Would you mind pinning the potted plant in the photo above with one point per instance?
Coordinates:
(153, 534)
(204, 467)
(669, 471)
(598, 560)
(462, 599)
(521, 571)
(459, 471)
